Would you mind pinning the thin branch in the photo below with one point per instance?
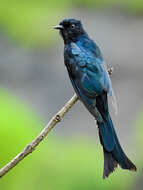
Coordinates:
(31, 146)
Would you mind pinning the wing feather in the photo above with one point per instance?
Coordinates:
(93, 73)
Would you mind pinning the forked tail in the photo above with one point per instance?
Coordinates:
(113, 152)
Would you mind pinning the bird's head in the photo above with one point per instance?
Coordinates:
(70, 29)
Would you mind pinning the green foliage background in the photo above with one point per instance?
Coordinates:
(31, 22)
(56, 164)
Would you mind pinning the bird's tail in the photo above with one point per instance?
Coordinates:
(113, 152)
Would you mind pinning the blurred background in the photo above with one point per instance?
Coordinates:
(34, 85)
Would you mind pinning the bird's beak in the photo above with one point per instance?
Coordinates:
(58, 27)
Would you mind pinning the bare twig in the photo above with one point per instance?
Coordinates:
(31, 146)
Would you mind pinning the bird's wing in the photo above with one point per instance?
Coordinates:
(93, 72)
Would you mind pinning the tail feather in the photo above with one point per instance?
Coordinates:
(110, 164)
(113, 152)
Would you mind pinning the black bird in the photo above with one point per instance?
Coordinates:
(92, 84)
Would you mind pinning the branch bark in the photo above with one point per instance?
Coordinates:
(31, 146)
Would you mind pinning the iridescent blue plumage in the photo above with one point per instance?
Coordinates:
(92, 84)
(93, 76)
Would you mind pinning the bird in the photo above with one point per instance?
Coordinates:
(89, 77)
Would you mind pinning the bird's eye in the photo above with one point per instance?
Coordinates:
(73, 26)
